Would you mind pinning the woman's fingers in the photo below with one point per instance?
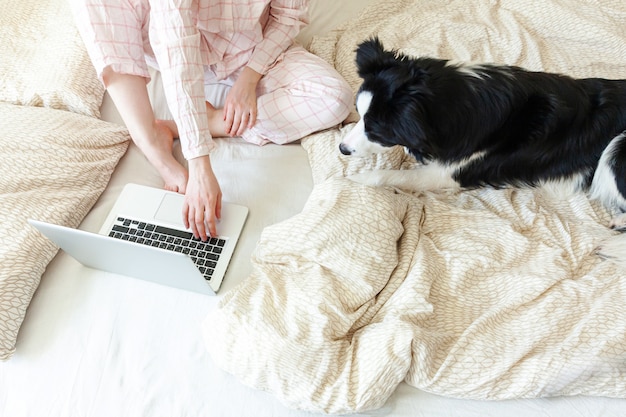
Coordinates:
(243, 124)
(229, 117)
(253, 115)
(201, 220)
(236, 121)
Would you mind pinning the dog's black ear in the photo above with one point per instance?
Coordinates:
(371, 57)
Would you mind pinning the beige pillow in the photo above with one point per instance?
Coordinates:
(55, 164)
(43, 60)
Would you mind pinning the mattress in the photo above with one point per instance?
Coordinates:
(99, 344)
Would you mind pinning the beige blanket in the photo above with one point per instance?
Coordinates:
(55, 160)
(488, 294)
(54, 166)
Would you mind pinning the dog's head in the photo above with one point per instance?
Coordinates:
(390, 102)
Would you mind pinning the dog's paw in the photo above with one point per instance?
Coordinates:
(618, 223)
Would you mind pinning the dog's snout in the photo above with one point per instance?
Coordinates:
(344, 149)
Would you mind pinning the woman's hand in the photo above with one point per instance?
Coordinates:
(203, 199)
(240, 108)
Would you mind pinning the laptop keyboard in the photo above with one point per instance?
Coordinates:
(203, 254)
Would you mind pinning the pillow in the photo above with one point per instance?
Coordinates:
(44, 62)
(325, 15)
(55, 164)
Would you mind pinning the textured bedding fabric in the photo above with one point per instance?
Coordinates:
(55, 159)
(488, 294)
(582, 38)
(482, 295)
(43, 61)
(55, 164)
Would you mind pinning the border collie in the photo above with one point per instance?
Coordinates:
(490, 125)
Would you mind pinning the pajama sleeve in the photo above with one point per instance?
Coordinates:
(176, 43)
(112, 35)
(286, 18)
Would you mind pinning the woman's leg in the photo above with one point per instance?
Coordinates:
(155, 140)
(302, 94)
(216, 123)
(117, 39)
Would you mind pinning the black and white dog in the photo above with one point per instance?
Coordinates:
(490, 125)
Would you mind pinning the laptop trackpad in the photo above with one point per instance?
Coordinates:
(171, 209)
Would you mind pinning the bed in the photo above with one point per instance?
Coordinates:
(340, 299)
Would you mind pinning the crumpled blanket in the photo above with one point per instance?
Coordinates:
(484, 294)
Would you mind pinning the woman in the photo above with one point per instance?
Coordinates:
(278, 92)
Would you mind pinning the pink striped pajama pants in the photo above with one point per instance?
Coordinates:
(301, 94)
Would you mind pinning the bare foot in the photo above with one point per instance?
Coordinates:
(160, 155)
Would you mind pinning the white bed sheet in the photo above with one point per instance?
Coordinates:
(97, 344)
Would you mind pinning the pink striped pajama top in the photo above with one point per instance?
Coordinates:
(192, 40)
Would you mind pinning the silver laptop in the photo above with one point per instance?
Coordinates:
(144, 237)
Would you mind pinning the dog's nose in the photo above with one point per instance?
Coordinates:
(344, 149)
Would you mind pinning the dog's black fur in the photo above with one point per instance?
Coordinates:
(532, 126)
(491, 125)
